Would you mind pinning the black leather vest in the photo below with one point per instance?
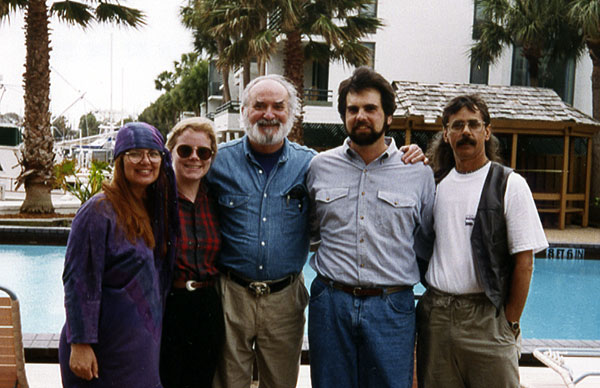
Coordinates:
(489, 240)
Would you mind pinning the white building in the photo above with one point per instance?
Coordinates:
(423, 41)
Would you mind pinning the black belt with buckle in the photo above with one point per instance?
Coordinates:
(363, 291)
(264, 287)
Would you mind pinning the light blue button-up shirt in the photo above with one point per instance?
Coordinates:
(263, 219)
(372, 219)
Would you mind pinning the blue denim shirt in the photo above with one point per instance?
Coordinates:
(263, 219)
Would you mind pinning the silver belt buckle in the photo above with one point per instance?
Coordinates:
(190, 285)
(259, 288)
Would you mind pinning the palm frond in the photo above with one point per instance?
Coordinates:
(586, 14)
(491, 43)
(317, 51)
(9, 6)
(359, 26)
(119, 14)
(73, 12)
(353, 53)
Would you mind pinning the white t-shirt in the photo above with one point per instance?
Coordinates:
(452, 268)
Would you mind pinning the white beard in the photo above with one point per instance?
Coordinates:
(269, 136)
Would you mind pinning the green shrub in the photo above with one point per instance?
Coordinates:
(68, 177)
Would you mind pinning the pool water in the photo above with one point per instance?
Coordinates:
(564, 299)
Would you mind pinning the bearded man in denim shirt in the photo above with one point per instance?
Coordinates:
(373, 214)
(259, 183)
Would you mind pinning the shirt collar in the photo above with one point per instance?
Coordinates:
(389, 152)
(248, 151)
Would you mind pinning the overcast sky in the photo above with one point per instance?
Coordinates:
(81, 61)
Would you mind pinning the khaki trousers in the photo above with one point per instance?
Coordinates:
(268, 328)
(463, 343)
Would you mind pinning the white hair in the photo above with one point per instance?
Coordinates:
(293, 102)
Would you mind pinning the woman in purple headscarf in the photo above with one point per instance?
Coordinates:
(118, 268)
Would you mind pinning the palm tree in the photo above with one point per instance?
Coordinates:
(586, 15)
(202, 16)
(539, 27)
(333, 30)
(319, 30)
(38, 156)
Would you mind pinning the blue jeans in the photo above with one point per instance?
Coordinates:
(360, 341)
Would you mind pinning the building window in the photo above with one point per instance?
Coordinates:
(371, 47)
(558, 75)
(214, 80)
(479, 72)
(320, 81)
(477, 19)
(368, 10)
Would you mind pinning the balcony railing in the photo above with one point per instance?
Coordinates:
(230, 107)
(313, 96)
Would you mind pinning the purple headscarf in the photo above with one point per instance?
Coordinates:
(160, 193)
(138, 135)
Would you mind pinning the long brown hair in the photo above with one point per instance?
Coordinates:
(132, 215)
(440, 153)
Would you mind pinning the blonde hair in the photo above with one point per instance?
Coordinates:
(196, 124)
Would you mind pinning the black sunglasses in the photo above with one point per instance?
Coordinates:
(185, 151)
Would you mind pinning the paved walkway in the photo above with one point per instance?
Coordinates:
(48, 375)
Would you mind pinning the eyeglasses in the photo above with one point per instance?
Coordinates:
(185, 151)
(136, 156)
(459, 125)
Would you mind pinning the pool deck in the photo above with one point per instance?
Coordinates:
(48, 376)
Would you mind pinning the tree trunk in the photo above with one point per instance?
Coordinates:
(38, 156)
(533, 56)
(294, 71)
(226, 90)
(224, 72)
(246, 71)
(534, 70)
(594, 47)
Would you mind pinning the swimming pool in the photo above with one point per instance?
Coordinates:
(563, 301)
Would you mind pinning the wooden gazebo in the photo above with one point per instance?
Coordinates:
(543, 138)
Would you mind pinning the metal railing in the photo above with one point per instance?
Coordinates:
(230, 107)
(314, 96)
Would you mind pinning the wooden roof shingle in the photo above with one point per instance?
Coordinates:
(504, 102)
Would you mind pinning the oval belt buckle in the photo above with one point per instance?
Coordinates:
(189, 285)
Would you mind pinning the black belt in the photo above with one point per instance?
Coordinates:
(192, 285)
(363, 291)
(261, 287)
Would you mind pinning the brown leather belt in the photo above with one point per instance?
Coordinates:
(363, 291)
(261, 287)
(192, 285)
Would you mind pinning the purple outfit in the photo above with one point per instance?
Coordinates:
(113, 301)
(115, 290)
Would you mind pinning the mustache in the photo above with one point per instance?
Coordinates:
(466, 140)
(268, 122)
(361, 124)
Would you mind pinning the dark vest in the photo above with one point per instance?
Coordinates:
(489, 240)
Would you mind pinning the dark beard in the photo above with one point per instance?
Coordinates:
(365, 139)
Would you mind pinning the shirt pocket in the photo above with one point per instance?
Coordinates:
(396, 213)
(233, 210)
(332, 207)
(294, 203)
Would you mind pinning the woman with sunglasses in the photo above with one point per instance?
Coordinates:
(118, 267)
(193, 325)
